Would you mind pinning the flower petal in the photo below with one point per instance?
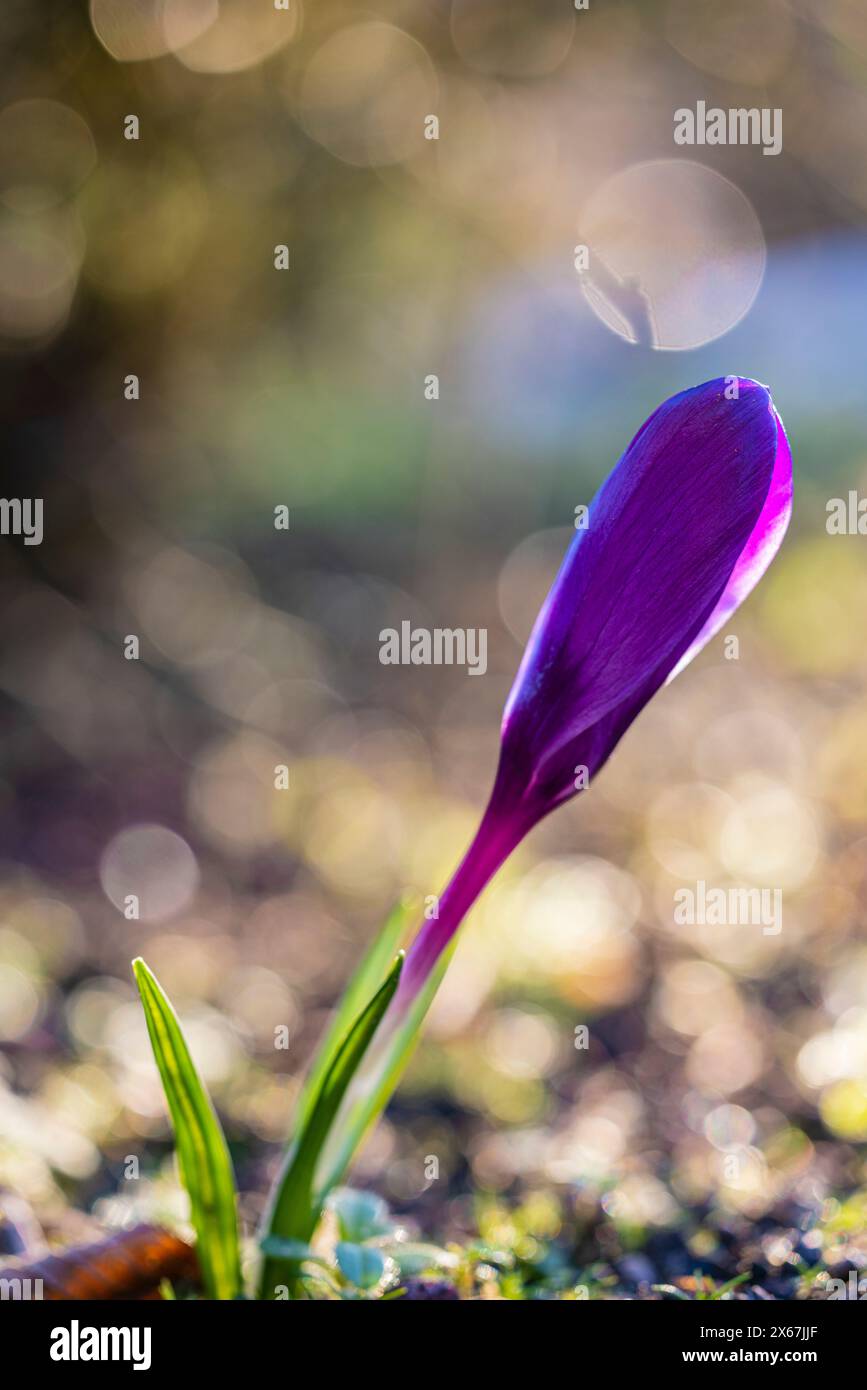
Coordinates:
(678, 534)
(759, 551)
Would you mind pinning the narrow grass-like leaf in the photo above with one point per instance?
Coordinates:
(296, 1201)
(364, 983)
(203, 1155)
(728, 1286)
(356, 1119)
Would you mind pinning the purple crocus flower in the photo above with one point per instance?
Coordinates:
(677, 536)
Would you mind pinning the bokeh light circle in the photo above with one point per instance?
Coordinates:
(133, 31)
(676, 254)
(527, 575)
(39, 268)
(366, 93)
(153, 864)
(46, 153)
(239, 36)
(740, 41)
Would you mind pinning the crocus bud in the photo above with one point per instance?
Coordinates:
(677, 536)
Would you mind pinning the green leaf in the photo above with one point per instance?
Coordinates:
(363, 985)
(295, 1250)
(363, 1265)
(286, 1249)
(355, 1122)
(296, 1201)
(360, 1215)
(727, 1288)
(203, 1155)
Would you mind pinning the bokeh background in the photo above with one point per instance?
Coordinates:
(725, 1067)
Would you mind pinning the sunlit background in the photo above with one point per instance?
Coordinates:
(305, 388)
